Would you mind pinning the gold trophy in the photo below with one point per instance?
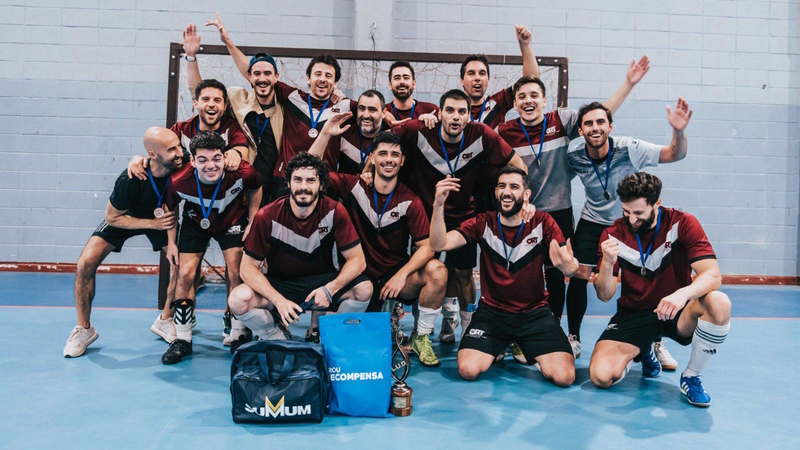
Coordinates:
(401, 393)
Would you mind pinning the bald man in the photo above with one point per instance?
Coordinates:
(135, 207)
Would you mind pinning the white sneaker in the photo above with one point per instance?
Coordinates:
(447, 335)
(666, 360)
(576, 346)
(79, 339)
(164, 328)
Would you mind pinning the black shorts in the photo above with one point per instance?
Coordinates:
(193, 239)
(537, 332)
(375, 303)
(566, 223)
(296, 289)
(117, 236)
(641, 328)
(462, 258)
(587, 242)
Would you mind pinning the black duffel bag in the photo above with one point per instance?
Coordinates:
(279, 382)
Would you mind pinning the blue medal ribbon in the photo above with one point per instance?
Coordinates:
(361, 148)
(444, 151)
(644, 255)
(207, 212)
(503, 240)
(153, 182)
(480, 114)
(397, 114)
(263, 128)
(610, 155)
(541, 139)
(385, 205)
(314, 122)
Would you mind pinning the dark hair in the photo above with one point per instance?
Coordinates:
(639, 185)
(388, 137)
(209, 140)
(527, 79)
(406, 64)
(514, 169)
(455, 94)
(585, 109)
(325, 59)
(373, 93)
(476, 57)
(305, 159)
(211, 83)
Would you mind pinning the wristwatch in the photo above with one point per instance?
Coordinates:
(190, 58)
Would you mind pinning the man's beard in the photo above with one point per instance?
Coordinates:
(375, 128)
(403, 96)
(170, 164)
(646, 225)
(515, 209)
(211, 124)
(268, 87)
(297, 193)
(446, 128)
(603, 141)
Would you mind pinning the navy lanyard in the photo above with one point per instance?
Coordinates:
(397, 114)
(261, 133)
(207, 212)
(503, 240)
(385, 205)
(610, 155)
(153, 182)
(444, 150)
(480, 114)
(314, 122)
(644, 255)
(541, 139)
(361, 148)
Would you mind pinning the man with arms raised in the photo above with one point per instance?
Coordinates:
(219, 205)
(403, 82)
(513, 298)
(135, 207)
(293, 239)
(461, 149)
(657, 249)
(386, 214)
(601, 162)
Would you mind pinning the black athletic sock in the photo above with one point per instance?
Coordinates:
(576, 305)
(556, 288)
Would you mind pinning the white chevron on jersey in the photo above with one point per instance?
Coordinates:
(304, 244)
(334, 109)
(221, 203)
(350, 150)
(490, 104)
(525, 151)
(526, 243)
(654, 260)
(436, 159)
(389, 218)
(186, 140)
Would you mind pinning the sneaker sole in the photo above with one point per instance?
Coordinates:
(159, 333)
(447, 338)
(701, 405)
(424, 364)
(92, 339)
(669, 368)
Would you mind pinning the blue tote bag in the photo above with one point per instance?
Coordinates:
(358, 352)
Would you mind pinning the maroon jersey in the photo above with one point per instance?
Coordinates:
(483, 149)
(297, 122)
(493, 110)
(680, 242)
(349, 148)
(385, 242)
(295, 247)
(515, 284)
(229, 129)
(419, 109)
(230, 204)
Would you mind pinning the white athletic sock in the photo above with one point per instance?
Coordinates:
(707, 337)
(624, 372)
(262, 324)
(466, 318)
(237, 328)
(427, 318)
(450, 307)
(184, 309)
(352, 305)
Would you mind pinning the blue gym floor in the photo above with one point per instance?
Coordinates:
(119, 395)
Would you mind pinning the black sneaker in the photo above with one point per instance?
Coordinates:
(177, 350)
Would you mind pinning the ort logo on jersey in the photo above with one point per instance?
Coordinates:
(236, 190)
(476, 333)
(236, 229)
(278, 410)
(668, 244)
(336, 110)
(466, 156)
(533, 240)
(323, 230)
(550, 130)
(395, 214)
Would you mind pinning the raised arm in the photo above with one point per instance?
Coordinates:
(529, 64)
(441, 240)
(679, 119)
(239, 58)
(191, 45)
(605, 283)
(634, 75)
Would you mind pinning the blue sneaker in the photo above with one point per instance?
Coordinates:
(692, 388)
(651, 368)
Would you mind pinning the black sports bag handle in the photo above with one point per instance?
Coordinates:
(288, 363)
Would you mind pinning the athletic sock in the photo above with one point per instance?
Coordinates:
(624, 372)
(466, 318)
(427, 318)
(707, 337)
(576, 305)
(184, 310)
(237, 328)
(556, 289)
(352, 305)
(262, 324)
(450, 307)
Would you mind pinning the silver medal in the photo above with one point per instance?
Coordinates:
(205, 223)
(312, 133)
(644, 271)
(606, 195)
(158, 213)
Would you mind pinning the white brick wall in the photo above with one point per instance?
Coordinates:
(82, 80)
